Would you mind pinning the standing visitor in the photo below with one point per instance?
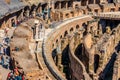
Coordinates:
(2, 60)
(1, 49)
(6, 64)
(11, 76)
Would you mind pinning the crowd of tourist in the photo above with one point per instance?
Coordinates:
(5, 52)
(15, 74)
(6, 61)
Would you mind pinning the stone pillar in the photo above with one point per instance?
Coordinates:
(21, 15)
(27, 13)
(40, 9)
(53, 5)
(88, 29)
(33, 13)
(100, 30)
(91, 64)
(62, 44)
(59, 5)
(41, 32)
(87, 2)
(59, 56)
(36, 33)
(101, 63)
(59, 64)
(66, 5)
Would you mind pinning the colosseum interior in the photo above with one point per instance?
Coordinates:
(59, 40)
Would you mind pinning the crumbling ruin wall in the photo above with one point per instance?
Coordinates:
(77, 67)
(104, 47)
(20, 48)
(56, 36)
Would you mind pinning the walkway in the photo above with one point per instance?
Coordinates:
(47, 56)
(108, 15)
(3, 71)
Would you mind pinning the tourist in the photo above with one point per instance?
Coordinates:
(7, 40)
(23, 76)
(11, 76)
(18, 78)
(1, 49)
(6, 64)
(2, 60)
(16, 71)
(5, 50)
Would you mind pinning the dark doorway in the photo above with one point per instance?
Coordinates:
(96, 62)
(65, 62)
(80, 53)
(13, 22)
(54, 56)
(107, 73)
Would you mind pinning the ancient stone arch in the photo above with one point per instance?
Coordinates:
(71, 30)
(13, 23)
(77, 27)
(65, 33)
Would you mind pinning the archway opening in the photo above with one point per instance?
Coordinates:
(33, 7)
(65, 62)
(13, 23)
(54, 56)
(65, 34)
(44, 7)
(84, 26)
(57, 5)
(72, 14)
(96, 11)
(76, 6)
(71, 30)
(70, 4)
(80, 53)
(67, 15)
(63, 4)
(112, 9)
(77, 26)
(97, 1)
(83, 2)
(26, 8)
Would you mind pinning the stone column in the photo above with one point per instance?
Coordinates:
(66, 5)
(59, 56)
(91, 64)
(27, 12)
(53, 5)
(33, 13)
(100, 63)
(87, 2)
(21, 15)
(59, 64)
(59, 5)
(88, 29)
(36, 35)
(100, 30)
(40, 9)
